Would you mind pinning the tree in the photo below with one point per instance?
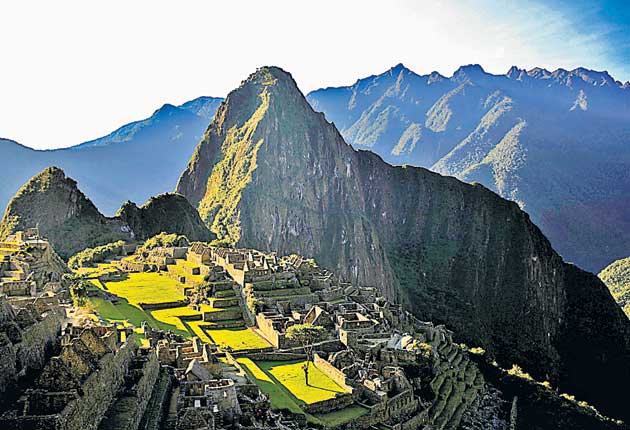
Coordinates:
(307, 335)
(79, 287)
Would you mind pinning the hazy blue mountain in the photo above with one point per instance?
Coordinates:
(135, 162)
(558, 143)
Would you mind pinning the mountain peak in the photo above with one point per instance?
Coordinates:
(400, 67)
(166, 110)
(515, 72)
(594, 77)
(469, 71)
(264, 75)
(50, 199)
(50, 177)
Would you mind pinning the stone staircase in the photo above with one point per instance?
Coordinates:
(456, 385)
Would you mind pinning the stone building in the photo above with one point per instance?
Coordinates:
(76, 387)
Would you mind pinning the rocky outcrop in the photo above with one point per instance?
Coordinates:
(68, 219)
(617, 279)
(167, 212)
(273, 174)
(71, 222)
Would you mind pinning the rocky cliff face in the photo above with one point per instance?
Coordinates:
(273, 174)
(71, 222)
(68, 219)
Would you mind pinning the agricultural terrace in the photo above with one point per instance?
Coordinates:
(237, 339)
(147, 287)
(285, 385)
(137, 289)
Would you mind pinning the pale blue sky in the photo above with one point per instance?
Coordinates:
(75, 70)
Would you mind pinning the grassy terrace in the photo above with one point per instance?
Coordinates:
(237, 339)
(138, 288)
(155, 288)
(146, 288)
(284, 383)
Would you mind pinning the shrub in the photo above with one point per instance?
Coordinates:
(425, 349)
(477, 351)
(98, 254)
(78, 291)
(163, 239)
(516, 370)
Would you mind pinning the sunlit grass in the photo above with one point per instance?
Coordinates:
(146, 288)
(237, 338)
(282, 396)
(291, 375)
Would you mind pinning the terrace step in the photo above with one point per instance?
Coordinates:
(299, 291)
(225, 294)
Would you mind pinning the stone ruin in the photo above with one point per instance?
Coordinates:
(29, 265)
(94, 370)
(404, 373)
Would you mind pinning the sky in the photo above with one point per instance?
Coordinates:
(72, 71)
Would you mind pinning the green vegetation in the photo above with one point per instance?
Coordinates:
(231, 175)
(237, 338)
(78, 291)
(617, 279)
(285, 385)
(99, 254)
(291, 375)
(124, 311)
(163, 239)
(306, 335)
(100, 269)
(516, 370)
(146, 288)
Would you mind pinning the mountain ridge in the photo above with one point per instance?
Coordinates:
(554, 141)
(122, 164)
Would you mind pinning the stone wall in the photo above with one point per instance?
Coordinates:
(340, 401)
(99, 389)
(227, 314)
(18, 288)
(37, 340)
(156, 408)
(163, 305)
(332, 372)
(127, 411)
(277, 356)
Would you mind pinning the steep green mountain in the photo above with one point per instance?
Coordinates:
(71, 222)
(273, 174)
(557, 143)
(617, 279)
(136, 161)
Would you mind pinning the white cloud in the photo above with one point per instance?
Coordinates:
(76, 70)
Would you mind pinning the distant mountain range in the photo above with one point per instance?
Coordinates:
(558, 143)
(135, 162)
